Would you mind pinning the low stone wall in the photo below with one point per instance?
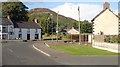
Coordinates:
(113, 47)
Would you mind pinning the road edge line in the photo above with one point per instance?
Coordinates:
(41, 51)
(47, 45)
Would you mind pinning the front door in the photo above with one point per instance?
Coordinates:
(4, 36)
(28, 36)
(36, 36)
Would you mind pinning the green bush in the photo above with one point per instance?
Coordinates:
(112, 38)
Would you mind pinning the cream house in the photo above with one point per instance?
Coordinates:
(106, 22)
(105, 25)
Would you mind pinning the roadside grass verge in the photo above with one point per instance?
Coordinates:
(82, 50)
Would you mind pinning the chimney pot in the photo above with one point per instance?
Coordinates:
(8, 17)
(36, 20)
(106, 6)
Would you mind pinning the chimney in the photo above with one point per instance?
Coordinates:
(106, 6)
(8, 17)
(36, 20)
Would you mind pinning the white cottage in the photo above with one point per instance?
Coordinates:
(106, 22)
(6, 28)
(19, 30)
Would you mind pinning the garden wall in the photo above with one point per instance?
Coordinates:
(113, 47)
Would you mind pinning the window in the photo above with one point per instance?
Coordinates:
(36, 31)
(10, 28)
(36, 36)
(10, 33)
(4, 30)
(101, 33)
(0, 29)
(20, 30)
(28, 30)
(4, 36)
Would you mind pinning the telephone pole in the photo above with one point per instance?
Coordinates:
(52, 24)
(79, 25)
(57, 27)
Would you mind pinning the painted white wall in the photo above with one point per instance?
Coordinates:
(39, 32)
(113, 47)
(24, 34)
(32, 34)
(10, 29)
(16, 33)
(107, 22)
(90, 38)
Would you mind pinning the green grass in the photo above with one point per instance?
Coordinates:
(82, 50)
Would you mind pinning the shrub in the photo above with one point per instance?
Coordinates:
(112, 38)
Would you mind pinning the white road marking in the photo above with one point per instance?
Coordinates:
(41, 51)
(10, 50)
(47, 45)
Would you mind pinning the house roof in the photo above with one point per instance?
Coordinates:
(73, 31)
(103, 12)
(5, 21)
(23, 24)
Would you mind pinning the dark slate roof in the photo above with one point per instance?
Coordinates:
(5, 21)
(23, 24)
(102, 12)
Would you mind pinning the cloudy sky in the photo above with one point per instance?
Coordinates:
(88, 10)
(69, 8)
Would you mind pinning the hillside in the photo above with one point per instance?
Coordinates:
(42, 15)
(45, 10)
(47, 26)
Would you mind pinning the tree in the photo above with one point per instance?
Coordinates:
(47, 26)
(45, 22)
(86, 27)
(16, 10)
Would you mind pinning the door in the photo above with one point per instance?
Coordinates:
(28, 36)
(36, 36)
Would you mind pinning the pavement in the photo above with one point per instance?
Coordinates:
(0, 54)
(67, 59)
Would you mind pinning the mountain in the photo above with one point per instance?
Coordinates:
(48, 22)
(45, 10)
(42, 15)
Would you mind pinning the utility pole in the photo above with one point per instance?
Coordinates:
(52, 24)
(79, 25)
(47, 24)
(57, 27)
